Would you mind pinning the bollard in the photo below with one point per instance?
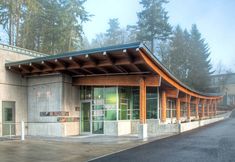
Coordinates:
(22, 130)
(10, 130)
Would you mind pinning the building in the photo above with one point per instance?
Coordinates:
(224, 84)
(115, 90)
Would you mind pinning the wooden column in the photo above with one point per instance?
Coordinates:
(203, 109)
(188, 110)
(142, 101)
(212, 108)
(163, 110)
(178, 109)
(208, 109)
(196, 106)
(188, 107)
(215, 107)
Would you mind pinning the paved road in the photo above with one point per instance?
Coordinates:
(213, 143)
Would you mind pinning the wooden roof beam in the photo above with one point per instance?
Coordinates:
(117, 80)
(60, 63)
(172, 93)
(35, 66)
(24, 69)
(131, 59)
(186, 98)
(86, 70)
(74, 61)
(48, 66)
(109, 57)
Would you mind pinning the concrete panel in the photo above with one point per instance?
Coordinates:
(188, 126)
(143, 132)
(156, 128)
(46, 129)
(124, 127)
(71, 128)
(44, 95)
(111, 128)
(134, 126)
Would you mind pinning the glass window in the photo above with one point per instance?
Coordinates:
(193, 110)
(135, 103)
(86, 92)
(124, 103)
(183, 109)
(110, 103)
(8, 114)
(171, 109)
(151, 103)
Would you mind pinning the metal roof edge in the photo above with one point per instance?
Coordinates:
(75, 53)
(171, 75)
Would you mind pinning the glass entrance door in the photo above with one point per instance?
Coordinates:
(86, 117)
(8, 118)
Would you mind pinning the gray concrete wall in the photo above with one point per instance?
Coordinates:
(70, 100)
(111, 128)
(52, 93)
(13, 87)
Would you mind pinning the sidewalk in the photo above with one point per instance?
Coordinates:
(68, 149)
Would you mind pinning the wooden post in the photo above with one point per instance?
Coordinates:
(188, 108)
(178, 109)
(188, 111)
(208, 109)
(196, 106)
(215, 107)
(142, 101)
(163, 103)
(212, 108)
(203, 109)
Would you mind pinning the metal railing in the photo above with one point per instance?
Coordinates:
(22, 50)
(13, 130)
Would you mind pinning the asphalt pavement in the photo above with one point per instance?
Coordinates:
(212, 143)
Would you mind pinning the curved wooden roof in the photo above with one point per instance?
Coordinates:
(127, 59)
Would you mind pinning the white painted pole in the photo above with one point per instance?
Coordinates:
(22, 130)
(10, 130)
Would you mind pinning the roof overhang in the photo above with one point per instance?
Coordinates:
(127, 59)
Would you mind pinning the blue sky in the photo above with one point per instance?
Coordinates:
(214, 18)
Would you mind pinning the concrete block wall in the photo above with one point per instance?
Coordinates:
(13, 87)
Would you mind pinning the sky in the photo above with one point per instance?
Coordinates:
(215, 20)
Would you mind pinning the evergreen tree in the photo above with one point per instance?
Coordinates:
(200, 66)
(187, 57)
(113, 33)
(179, 54)
(46, 26)
(153, 22)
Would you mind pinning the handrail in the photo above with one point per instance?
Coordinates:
(22, 50)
